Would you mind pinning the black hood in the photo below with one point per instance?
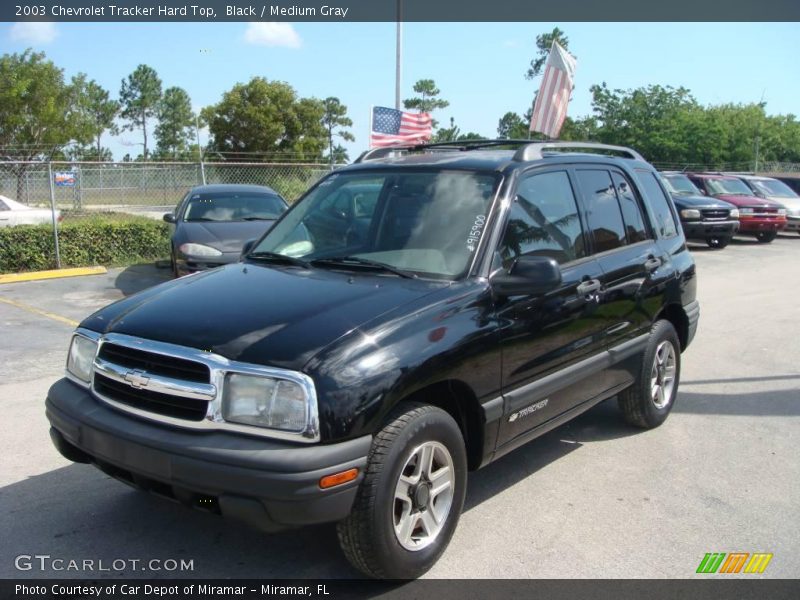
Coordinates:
(279, 316)
(225, 236)
(682, 201)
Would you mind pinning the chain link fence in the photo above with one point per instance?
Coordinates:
(73, 197)
(137, 194)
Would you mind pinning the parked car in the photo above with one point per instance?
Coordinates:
(15, 213)
(777, 191)
(496, 293)
(792, 180)
(212, 222)
(702, 217)
(757, 216)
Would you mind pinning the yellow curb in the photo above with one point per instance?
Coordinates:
(37, 275)
(37, 311)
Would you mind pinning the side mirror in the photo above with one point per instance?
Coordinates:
(170, 218)
(528, 276)
(248, 245)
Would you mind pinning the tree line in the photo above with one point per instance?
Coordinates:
(667, 124)
(47, 116)
(44, 115)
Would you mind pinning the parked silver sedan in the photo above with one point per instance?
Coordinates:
(15, 213)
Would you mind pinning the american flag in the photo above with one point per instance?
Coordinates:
(550, 108)
(392, 127)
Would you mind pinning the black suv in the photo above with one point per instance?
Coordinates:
(412, 317)
(705, 218)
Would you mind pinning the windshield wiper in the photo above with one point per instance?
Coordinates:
(356, 260)
(276, 257)
(259, 218)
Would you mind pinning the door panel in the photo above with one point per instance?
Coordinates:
(542, 336)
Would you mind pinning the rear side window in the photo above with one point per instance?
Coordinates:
(543, 220)
(662, 214)
(603, 213)
(635, 230)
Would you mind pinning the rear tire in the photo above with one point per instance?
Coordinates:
(410, 500)
(765, 237)
(718, 243)
(648, 402)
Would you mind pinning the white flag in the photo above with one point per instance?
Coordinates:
(551, 102)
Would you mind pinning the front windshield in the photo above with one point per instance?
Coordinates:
(732, 187)
(681, 185)
(423, 222)
(774, 188)
(233, 206)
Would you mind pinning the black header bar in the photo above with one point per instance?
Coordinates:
(387, 10)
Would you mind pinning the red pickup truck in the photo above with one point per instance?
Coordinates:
(759, 217)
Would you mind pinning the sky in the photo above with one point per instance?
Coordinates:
(479, 67)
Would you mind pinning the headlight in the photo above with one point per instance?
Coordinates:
(734, 214)
(269, 402)
(81, 357)
(199, 250)
(690, 213)
(746, 211)
(781, 211)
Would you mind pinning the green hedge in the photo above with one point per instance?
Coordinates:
(109, 240)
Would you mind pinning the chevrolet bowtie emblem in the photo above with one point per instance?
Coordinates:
(137, 379)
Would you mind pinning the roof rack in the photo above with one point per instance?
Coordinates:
(460, 145)
(536, 150)
(527, 149)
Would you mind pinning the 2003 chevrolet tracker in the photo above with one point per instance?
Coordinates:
(413, 316)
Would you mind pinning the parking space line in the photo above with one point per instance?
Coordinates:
(54, 274)
(37, 311)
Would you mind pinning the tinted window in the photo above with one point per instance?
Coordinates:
(662, 214)
(544, 220)
(604, 216)
(3, 206)
(631, 210)
(735, 187)
(233, 206)
(427, 222)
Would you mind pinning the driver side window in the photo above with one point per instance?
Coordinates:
(543, 221)
(337, 205)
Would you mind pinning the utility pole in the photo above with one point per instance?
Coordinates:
(399, 57)
(761, 105)
(199, 147)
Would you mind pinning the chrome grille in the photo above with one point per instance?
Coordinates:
(163, 384)
(159, 364)
(168, 405)
(714, 213)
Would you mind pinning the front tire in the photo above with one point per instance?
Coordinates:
(648, 402)
(410, 500)
(718, 243)
(765, 237)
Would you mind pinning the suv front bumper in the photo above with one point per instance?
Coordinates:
(702, 230)
(270, 485)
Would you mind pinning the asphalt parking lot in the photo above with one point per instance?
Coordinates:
(593, 498)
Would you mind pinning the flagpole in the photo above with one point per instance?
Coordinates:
(371, 113)
(399, 55)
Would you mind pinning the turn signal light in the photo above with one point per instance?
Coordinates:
(330, 481)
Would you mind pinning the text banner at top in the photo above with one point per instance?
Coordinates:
(406, 10)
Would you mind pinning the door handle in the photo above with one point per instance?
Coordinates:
(589, 287)
(652, 263)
